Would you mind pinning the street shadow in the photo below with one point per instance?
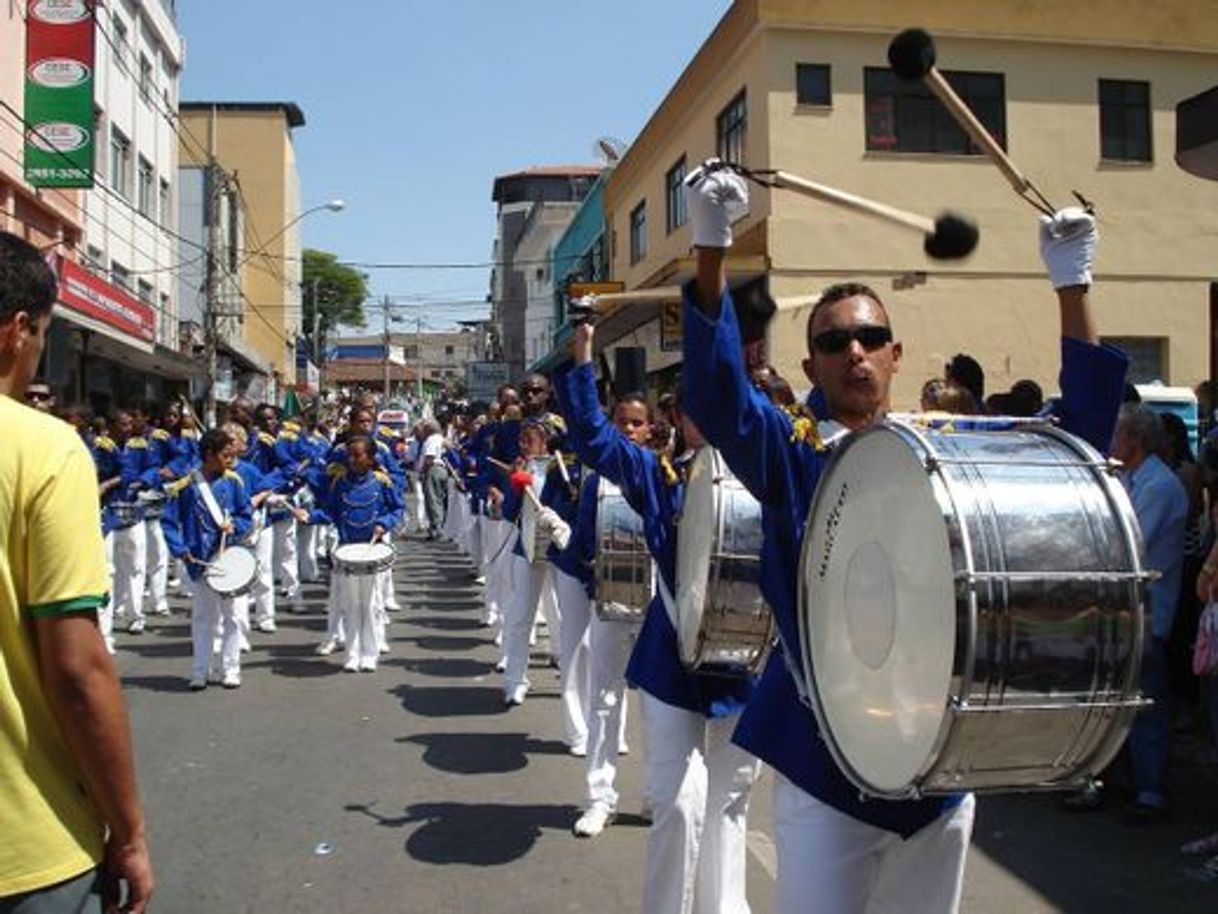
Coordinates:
(488, 834)
(442, 643)
(461, 701)
(152, 649)
(441, 623)
(156, 683)
(445, 668)
(481, 753)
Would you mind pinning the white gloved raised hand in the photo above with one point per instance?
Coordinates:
(715, 197)
(558, 529)
(1067, 246)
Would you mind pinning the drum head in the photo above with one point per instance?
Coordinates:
(694, 541)
(877, 610)
(363, 552)
(232, 570)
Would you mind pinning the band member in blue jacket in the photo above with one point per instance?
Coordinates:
(837, 851)
(195, 526)
(697, 781)
(365, 506)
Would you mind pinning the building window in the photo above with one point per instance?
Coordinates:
(904, 116)
(1147, 357)
(118, 30)
(120, 162)
(145, 79)
(165, 320)
(730, 127)
(144, 288)
(638, 232)
(163, 204)
(410, 351)
(449, 351)
(812, 84)
(120, 275)
(674, 182)
(99, 149)
(95, 259)
(1125, 120)
(143, 188)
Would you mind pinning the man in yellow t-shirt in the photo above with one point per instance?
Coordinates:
(71, 826)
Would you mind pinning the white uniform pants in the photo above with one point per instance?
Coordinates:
(830, 863)
(286, 570)
(308, 542)
(130, 564)
(575, 609)
(207, 609)
(528, 581)
(105, 615)
(699, 784)
(609, 645)
(263, 592)
(419, 513)
(358, 596)
(388, 596)
(475, 540)
(497, 549)
(158, 565)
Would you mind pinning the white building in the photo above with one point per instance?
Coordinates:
(544, 226)
(131, 222)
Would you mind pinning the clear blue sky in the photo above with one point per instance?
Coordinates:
(413, 107)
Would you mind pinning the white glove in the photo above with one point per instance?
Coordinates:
(1067, 246)
(714, 200)
(557, 528)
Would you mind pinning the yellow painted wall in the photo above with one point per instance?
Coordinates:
(1159, 225)
(258, 147)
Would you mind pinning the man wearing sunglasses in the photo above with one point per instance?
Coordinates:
(837, 851)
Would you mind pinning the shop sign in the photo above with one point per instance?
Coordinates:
(59, 54)
(93, 297)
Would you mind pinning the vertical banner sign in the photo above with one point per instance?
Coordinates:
(59, 93)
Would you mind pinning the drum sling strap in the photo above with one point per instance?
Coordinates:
(209, 498)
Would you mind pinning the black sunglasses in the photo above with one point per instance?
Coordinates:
(870, 336)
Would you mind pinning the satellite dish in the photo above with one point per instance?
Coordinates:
(610, 149)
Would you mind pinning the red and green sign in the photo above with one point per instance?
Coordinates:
(59, 93)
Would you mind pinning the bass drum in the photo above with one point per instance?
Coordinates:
(970, 609)
(625, 573)
(723, 623)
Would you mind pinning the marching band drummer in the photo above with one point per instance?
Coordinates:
(365, 506)
(839, 852)
(203, 510)
(697, 782)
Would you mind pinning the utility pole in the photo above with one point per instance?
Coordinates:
(385, 312)
(418, 351)
(317, 350)
(211, 285)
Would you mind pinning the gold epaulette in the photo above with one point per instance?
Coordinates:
(266, 438)
(160, 434)
(386, 432)
(137, 442)
(337, 470)
(383, 477)
(231, 474)
(287, 436)
(290, 426)
(804, 427)
(176, 487)
(671, 476)
(104, 442)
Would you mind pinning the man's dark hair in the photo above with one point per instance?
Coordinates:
(838, 292)
(968, 373)
(26, 282)
(214, 441)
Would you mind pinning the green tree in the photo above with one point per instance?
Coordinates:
(337, 293)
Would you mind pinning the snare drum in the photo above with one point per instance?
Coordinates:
(153, 502)
(723, 623)
(970, 609)
(232, 572)
(363, 558)
(126, 513)
(625, 573)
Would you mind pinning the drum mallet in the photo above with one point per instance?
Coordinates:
(912, 57)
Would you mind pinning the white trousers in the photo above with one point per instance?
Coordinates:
(207, 609)
(388, 596)
(699, 785)
(609, 647)
(308, 542)
(831, 863)
(105, 615)
(263, 592)
(497, 552)
(130, 565)
(528, 581)
(158, 565)
(475, 540)
(575, 609)
(286, 570)
(359, 597)
(419, 513)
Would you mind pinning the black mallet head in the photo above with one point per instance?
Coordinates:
(954, 237)
(911, 54)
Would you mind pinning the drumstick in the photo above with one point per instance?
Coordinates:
(912, 57)
(532, 496)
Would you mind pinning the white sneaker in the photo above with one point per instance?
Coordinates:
(367, 666)
(198, 683)
(266, 625)
(161, 610)
(231, 680)
(137, 626)
(480, 579)
(593, 822)
(579, 750)
(623, 748)
(383, 649)
(351, 666)
(500, 665)
(515, 696)
(110, 646)
(327, 647)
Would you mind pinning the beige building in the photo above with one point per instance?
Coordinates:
(1083, 98)
(253, 141)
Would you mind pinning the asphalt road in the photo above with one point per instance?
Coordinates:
(414, 790)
